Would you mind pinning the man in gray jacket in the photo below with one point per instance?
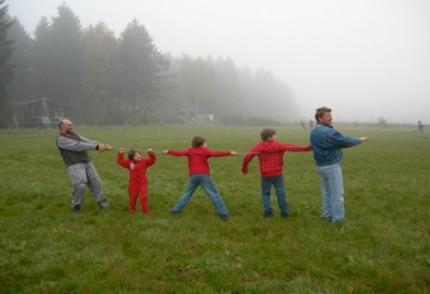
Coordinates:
(73, 148)
(327, 144)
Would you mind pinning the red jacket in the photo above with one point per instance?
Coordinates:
(137, 169)
(198, 158)
(270, 155)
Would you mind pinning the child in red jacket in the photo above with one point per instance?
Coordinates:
(198, 167)
(270, 155)
(138, 183)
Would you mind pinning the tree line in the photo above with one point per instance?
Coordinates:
(126, 80)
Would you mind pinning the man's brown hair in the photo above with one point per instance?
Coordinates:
(320, 112)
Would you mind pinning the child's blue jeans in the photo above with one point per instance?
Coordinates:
(278, 183)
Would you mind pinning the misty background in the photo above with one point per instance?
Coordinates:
(237, 60)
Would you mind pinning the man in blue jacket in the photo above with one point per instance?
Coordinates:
(327, 146)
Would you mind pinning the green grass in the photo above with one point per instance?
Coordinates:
(382, 247)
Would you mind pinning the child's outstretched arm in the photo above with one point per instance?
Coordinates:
(152, 158)
(296, 148)
(176, 152)
(120, 158)
(220, 153)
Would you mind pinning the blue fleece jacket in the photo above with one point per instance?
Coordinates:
(327, 144)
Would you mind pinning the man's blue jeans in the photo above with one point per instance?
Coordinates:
(278, 183)
(208, 185)
(332, 192)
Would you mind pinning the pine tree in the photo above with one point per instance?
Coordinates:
(43, 66)
(6, 69)
(65, 60)
(143, 70)
(21, 86)
(100, 76)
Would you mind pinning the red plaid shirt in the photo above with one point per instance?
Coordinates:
(270, 156)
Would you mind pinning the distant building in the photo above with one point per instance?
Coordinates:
(205, 117)
(39, 107)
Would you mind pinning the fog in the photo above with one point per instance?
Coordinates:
(366, 59)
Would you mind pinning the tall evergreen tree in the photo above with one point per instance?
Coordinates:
(21, 87)
(100, 75)
(43, 65)
(6, 69)
(142, 69)
(65, 59)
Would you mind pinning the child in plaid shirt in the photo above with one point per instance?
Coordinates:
(270, 155)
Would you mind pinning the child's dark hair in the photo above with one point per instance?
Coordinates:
(131, 153)
(198, 142)
(266, 134)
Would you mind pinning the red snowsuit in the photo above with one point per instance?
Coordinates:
(138, 183)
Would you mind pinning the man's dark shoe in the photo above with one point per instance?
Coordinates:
(76, 209)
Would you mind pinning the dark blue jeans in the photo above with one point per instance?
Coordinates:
(278, 183)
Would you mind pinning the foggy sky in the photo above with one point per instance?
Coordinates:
(365, 59)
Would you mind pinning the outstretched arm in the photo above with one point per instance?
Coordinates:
(75, 145)
(120, 158)
(176, 152)
(211, 153)
(297, 148)
(279, 146)
(152, 158)
(340, 141)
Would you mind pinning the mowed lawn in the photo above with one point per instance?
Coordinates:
(382, 247)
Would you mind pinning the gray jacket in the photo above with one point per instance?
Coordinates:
(73, 148)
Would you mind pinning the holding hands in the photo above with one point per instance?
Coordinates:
(104, 147)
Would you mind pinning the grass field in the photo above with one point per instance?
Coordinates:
(382, 247)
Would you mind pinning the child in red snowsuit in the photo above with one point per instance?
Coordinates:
(138, 183)
(270, 155)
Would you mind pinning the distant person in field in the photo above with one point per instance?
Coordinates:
(421, 129)
(270, 155)
(302, 123)
(199, 175)
(138, 182)
(327, 144)
(73, 148)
